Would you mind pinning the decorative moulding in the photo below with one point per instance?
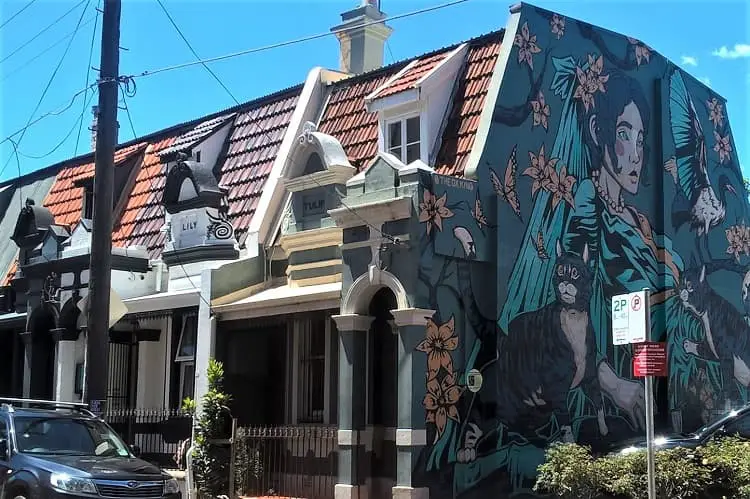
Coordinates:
(412, 316)
(353, 322)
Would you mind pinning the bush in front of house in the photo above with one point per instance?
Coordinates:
(211, 459)
(720, 469)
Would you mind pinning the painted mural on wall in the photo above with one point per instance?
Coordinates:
(606, 170)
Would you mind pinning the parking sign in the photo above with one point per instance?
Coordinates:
(629, 320)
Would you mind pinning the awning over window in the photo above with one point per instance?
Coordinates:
(283, 300)
(169, 300)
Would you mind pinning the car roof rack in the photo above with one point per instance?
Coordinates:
(52, 404)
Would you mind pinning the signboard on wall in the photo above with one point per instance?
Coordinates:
(650, 359)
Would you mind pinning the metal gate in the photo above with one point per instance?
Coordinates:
(123, 375)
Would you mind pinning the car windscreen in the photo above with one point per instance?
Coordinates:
(67, 436)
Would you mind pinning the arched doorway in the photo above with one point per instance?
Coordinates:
(382, 400)
(40, 353)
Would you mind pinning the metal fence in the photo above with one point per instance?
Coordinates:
(286, 461)
(157, 432)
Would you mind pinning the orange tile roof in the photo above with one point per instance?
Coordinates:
(65, 199)
(468, 102)
(347, 119)
(409, 78)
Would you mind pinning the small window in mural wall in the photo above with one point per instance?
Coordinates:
(577, 200)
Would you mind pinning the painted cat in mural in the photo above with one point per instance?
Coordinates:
(727, 333)
(547, 352)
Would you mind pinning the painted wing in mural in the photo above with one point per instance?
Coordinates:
(478, 213)
(689, 140)
(539, 246)
(507, 189)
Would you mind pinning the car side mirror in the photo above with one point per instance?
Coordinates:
(135, 450)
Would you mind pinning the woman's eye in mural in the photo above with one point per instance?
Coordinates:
(622, 134)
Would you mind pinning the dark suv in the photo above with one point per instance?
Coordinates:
(59, 451)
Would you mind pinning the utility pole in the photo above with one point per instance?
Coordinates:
(100, 276)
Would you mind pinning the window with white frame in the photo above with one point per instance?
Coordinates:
(313, 351)
(402, 138)
(185, 357)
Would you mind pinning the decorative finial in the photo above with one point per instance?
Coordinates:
(29, 202)
(182, 156)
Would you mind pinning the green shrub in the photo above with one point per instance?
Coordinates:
(718, 470)
(211, 461)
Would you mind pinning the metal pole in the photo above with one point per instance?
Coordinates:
(650, 437)
(101, 237)
(649, 387)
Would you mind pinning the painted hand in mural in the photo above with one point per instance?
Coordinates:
(627, 395)
(468, 453)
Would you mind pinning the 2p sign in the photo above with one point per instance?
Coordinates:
(629, 320)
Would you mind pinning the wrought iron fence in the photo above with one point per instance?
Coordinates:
(286, 461)
(158, 433)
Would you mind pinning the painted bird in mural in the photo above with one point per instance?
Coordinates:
(697, 202)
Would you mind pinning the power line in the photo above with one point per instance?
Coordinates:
(197, 57)
(49, 84)
(88, 74)
(77, 124)
(295, 41)
(58, 42)
(44, 30)
(16, 14)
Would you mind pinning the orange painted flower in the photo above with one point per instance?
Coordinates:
(541, 111)
(557, 25)
(722, 146)
(562, 187)
(432, 210)
(541, 170)
(715, 112)
(527, 47)
(642, 51)
(590, 81)
(438, 343)
(440, 403)
(738, 239)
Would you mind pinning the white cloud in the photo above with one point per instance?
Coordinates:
(739, 50)
(705, 80)
(689, 60)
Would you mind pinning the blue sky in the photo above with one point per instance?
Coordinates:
(710, 39)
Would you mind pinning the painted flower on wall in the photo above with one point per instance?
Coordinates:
(541, 170)
(557, 25)
(540, 110)
(432, 210)
(642, 51)
(562, 187)
(440, 402)
(722, 146)
(527, 47)
(439, 342)
(715, 112)
(738, 239)
(590, 81)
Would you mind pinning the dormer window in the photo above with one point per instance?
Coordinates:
(403, 139)
(87, 209)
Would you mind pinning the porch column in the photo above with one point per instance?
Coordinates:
(352, 405)
(26, 338)
(65, 370)
(411, 434)
(205, 344)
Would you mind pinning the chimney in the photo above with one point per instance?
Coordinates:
(362, 38)
(94, 126)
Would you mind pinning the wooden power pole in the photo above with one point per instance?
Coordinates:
(97, 363)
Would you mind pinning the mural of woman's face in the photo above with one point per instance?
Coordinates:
(627, 162)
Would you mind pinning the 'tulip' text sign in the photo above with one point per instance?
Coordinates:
(629, 320)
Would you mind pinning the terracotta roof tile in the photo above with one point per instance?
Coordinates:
(468, 101)
(412, 75)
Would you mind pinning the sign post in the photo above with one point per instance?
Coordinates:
(631, 324)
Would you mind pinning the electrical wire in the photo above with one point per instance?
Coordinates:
(49, 83)
(295, 41)
(40, 54)
(18, 12)
(197, 57)
(77, 124)
(44, 30)
(88, 74)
